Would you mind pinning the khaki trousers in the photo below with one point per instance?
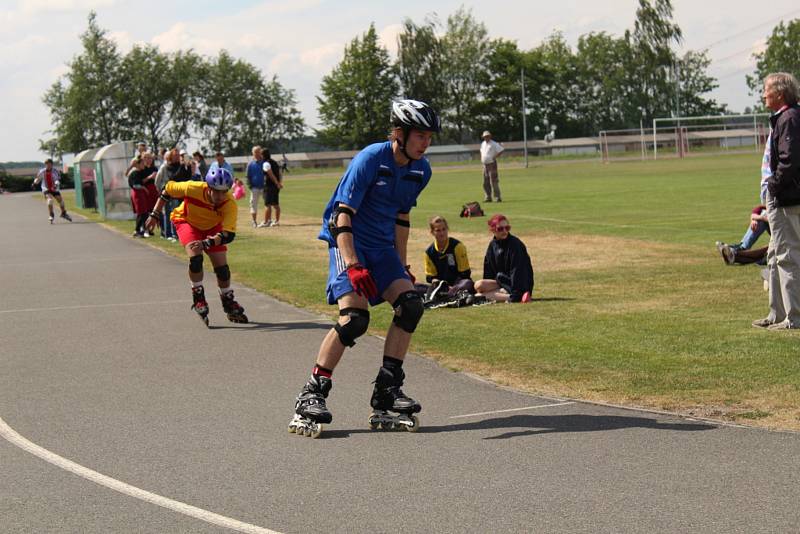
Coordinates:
(783, 261)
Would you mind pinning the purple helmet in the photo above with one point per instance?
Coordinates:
(219, 179)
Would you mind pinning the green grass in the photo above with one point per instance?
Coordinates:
(633, 304)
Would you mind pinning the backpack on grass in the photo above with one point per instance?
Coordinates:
(471, 209)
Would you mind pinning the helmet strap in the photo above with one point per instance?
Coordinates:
(402, 144)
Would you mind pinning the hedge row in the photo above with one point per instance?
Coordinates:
(16, 184)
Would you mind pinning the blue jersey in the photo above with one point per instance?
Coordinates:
(378, 190)
(255, 174)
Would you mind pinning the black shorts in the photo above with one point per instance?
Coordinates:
(271, 194)
(54, 194)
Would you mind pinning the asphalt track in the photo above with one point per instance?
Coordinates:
(121, 412)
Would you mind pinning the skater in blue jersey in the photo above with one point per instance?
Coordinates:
(366, 225)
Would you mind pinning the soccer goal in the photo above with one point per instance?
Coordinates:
(681, 136)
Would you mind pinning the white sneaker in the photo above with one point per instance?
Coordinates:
(274, 223)
(147, 234)
(264, 224)
(255, 224)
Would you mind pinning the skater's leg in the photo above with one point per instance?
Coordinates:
(233, 309)
(351, 325)
(408, 312)
(218, 260)
(50, 206)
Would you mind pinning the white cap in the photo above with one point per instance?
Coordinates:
(486, 133)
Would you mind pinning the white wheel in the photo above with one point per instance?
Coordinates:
(415, 426)
(315, 433)
(291, 428)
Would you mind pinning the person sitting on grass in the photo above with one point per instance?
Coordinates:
(507, 269)
(446, 262)
(741, 252)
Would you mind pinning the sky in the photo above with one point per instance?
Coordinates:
(300, 41)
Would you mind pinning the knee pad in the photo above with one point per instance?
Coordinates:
(196, 264)
(223, 273)
(354, 328)
(408, 310)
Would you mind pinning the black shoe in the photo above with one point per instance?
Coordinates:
(311, 400)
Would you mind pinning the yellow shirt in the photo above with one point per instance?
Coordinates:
(197, 208)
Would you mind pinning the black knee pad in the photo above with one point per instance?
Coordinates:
(196, 264)
(408, 310)
(354, 328)
(223, 273)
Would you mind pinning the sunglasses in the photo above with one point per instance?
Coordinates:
(502, 228)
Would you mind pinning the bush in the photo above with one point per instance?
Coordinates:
(16, 184)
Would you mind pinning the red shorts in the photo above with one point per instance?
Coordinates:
(141, 201)
(188, 233)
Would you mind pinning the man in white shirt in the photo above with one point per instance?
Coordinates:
(490, 151)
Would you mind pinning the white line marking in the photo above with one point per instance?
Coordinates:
(198, 513)
(536, 407)
(88, 306)
(82, 260)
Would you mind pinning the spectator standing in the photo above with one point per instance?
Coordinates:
(220, 163)
(50, 179)
(490, 151)
(272, 176)
(255, 182)
(140, 199)
(172, 170)
(507, 270)
(781, 93)
(202, 166)
(284, 163)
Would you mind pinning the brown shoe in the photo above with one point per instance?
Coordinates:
(766, 322)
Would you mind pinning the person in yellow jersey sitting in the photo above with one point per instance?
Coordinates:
(205, 222)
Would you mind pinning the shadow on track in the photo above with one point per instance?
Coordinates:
(254, 325)
(546, 424)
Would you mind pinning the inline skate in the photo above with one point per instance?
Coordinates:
(310, 410)
(232, 308)
(387, 397)
(200, 306)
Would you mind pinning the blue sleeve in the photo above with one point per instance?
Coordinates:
(357, 180)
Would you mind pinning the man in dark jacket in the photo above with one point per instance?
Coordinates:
(507, 270)
(783, 203)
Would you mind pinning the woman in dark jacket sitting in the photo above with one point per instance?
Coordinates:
(507, 270)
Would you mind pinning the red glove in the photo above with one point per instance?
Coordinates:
(411, 276)
(362, 281)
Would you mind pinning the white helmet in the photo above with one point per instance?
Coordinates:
(408, 114)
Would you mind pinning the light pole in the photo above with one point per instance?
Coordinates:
(524, 119)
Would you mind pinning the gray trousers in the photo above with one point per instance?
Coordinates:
(491, 181)
(783, 261)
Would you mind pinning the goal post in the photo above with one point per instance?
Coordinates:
(746, 131)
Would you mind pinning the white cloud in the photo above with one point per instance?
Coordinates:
(323, 55)
(388, 37)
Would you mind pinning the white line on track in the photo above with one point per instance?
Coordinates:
(536, 407)
(176, 506)
(81, 260)
(89, 306)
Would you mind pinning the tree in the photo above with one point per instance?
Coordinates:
(419, 61)
(87, 105)
(694, 82)
(653, 62)
(601, 61)
(465, 48)
(239, 109)
(781, 55)
(149, 86)
(356, 95)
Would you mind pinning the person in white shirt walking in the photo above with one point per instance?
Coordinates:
(490, 151)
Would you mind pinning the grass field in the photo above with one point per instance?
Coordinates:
(633, 303)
